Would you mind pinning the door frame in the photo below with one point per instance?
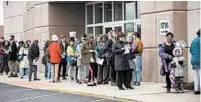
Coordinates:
(113, 25)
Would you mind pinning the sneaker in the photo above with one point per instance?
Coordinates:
(11, 75)
(15, 75)
(121, 88)
(130, 87)
(137, 84)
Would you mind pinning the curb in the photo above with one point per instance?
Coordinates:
(94, 95)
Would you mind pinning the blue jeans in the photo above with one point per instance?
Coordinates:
(138, 70)
(22, 72)
(49, 68)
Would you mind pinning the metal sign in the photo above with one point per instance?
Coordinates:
(164, 27)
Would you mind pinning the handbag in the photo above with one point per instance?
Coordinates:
(73, 62)
(162, 71)
(20, 57)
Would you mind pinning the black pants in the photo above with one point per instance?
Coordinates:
(131, 76)
(94, 69)
(62, 64)
(123, 77)
(4, 66)
(112, 70)
(32, 69)
(168, 83)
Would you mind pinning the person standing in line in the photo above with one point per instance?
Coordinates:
(12, 59)
(72, 62)
(55, 57)
(138, 59)
(33, 56)
(131, 56)
(121, 62)
(4, 51)
(195, 61)
(111, 39)
(63, 45)
(47, 60)
(86, 55)
(166, 55)
(24, 62)
(103, 53)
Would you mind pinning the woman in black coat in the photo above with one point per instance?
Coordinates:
(121, 62)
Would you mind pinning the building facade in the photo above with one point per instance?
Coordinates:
(1, 31)
(29, 20)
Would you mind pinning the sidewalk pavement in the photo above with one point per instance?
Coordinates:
(147, 92)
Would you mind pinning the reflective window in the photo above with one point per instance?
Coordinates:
(118, 10)
(99, 30)
(98, 13)
(130, 10)
(108, 11)
(129, 28)
(90, 30)
(90, 14)
(138, 10)
(139, 28)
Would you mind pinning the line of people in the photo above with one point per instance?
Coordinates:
(91, 60)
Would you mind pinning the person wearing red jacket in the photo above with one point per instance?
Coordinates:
(55, 57)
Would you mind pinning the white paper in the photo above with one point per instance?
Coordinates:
(91, 50)
(99, 61)
(35, 62)
(127, 49)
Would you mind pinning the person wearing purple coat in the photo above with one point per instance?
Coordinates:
(166, 55)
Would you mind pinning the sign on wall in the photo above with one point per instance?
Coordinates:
(164, 27)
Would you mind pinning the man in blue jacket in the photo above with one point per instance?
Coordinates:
(195, 61)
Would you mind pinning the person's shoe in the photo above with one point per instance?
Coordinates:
(197, 92)
(11, 75)
(137, 84)
(168, 91)
(29, 80)
(177, 90)
(104, 83)
(99, 83)
(90, 84)
(130, 87)
(15, 75)
(121, 88)
(64, 78)
(113, 84)
(94, 83)
(134, 83)
(1, 73)
(21, 77)
(36, 79)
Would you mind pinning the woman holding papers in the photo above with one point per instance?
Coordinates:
(103, 53)
(121, 62)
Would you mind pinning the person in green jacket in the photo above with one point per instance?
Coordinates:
(195, 61)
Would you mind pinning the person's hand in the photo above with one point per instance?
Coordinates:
(170, 57)
(123, 48)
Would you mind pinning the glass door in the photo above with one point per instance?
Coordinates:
(116, 28)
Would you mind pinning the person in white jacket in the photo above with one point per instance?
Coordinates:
(24, 62)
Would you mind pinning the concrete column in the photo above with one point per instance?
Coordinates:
(152, 13)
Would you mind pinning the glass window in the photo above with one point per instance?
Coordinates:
(139, 28)
(108, 11)
(98, 13)
(118, 10)
(99, 30)
(90, 14)
(138, 10)
(129, 28)
(90, 30)
(129, 10)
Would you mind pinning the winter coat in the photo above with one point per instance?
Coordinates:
(24, 63)
(164, 56)
(121, 61)
(13, 52)
(103, 52)
(71, 53)
(63, 48)
(195, 53)
(33, 52)
(78, 53)
(55, 53)
(86, 55)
